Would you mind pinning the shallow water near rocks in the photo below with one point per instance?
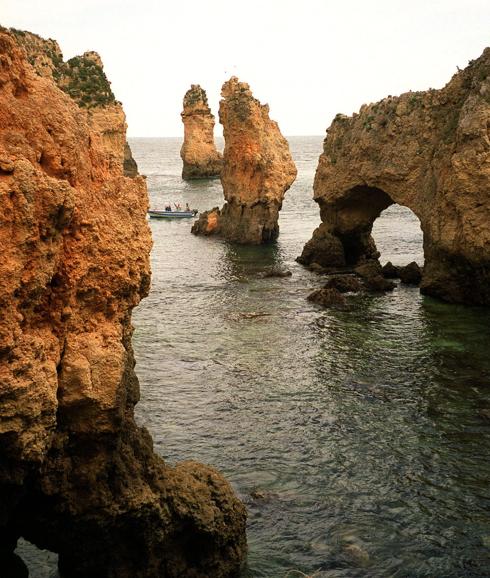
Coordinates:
(358, 439)
(354, 437)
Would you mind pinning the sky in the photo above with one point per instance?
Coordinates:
(308, 59)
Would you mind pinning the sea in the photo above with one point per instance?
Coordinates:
(359, 439)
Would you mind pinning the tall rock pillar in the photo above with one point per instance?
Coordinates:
(258, 170)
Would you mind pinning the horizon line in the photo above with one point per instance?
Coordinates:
(219, 136)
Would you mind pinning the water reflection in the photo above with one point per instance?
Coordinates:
(242, 262)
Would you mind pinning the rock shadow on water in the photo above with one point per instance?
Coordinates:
(247, 262)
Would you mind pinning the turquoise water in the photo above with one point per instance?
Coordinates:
(358, 439)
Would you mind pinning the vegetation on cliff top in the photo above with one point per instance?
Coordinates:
(81, 77)
(86, 82)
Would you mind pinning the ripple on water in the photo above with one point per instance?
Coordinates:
(353, 436)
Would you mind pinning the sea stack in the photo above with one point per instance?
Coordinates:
(258, 169)
(78, 476)
(199, 155)
(428, 151)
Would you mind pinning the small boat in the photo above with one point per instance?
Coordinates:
(158, 214)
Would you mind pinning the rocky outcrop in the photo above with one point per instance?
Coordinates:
(77, 475)
(344, 284)
(429, 151)
(199, 155)
(258, 169)
(84, 80)
(390, 271)
(411, 274)
(328, 297)
(129, 165)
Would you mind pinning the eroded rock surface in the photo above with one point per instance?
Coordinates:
(199, 155)
(84, 80)
(77, 475)
(258, 170)
(429, 151)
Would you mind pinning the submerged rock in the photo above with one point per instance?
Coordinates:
(198, 152)
(427, 151)
(344, 284)
(411, 274)
(79, 476)
(371, 274)
(378, 284)
(280, 273)
(258, 169)
(328, 297)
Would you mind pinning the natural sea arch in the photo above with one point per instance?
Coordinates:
(428, 151)
(355, 217)
(344, 239)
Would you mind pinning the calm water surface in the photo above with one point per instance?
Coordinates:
(361, 433)
(362, 429)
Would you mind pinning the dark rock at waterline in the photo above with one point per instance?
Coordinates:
(371, 274)
(344, 284)
(411, 274)
(378, 284)
(277, 273)
(323, 250)
(316, 267)
(368, 269)
(390, 271)
(328, 297)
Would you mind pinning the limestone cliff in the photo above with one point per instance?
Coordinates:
(258, 169)
(429, 151)
(84, 79)
(77, 475)
(198, 152)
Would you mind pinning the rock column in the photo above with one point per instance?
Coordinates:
(258, 170)
(199, 155)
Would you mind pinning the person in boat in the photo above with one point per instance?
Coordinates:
(187, 208)
(168, 207)
(177, 206)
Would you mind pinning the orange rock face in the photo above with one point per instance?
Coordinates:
(257, 171)
(77, 475)
(429, 151)
(83, 78)
(198, 152)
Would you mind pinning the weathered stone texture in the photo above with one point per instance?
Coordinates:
(258, 170)
(77, 475)
(429, 151)
(199, 155)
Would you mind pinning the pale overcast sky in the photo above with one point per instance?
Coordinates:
(309, 59)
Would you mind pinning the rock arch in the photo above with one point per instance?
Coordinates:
(428, 151)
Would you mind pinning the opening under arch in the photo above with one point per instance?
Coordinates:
(398, 236)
